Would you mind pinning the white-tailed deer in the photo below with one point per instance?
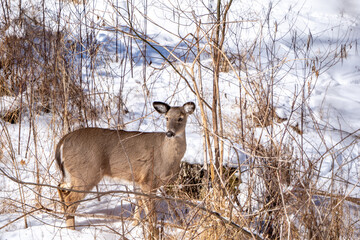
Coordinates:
(149, 159)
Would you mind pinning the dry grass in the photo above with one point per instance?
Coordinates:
(272, 193)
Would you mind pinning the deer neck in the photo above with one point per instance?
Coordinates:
(175, 147)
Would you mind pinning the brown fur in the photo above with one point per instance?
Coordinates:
(148, 159)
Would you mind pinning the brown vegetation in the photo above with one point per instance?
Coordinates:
(272, 189)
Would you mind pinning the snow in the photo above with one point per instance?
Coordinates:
(334, 100)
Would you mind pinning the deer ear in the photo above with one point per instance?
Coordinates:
(161, 107)
(189, 107)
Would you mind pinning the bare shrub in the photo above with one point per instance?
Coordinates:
(39, 64)
(273, 189)
(11, 116)
(191, 179)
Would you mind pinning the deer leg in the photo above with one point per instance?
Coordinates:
(148, 204)
(140, 206)
(78, 187)
(72, 201)
(137, 208)
(63, 193)
(150, 211)
(137, 211)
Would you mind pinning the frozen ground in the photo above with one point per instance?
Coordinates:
(334, 103)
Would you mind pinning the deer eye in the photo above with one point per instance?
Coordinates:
(180, 119)
(167, 119)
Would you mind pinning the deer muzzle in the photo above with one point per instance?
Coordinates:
(170, 134)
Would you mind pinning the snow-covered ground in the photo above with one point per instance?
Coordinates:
(333, 99)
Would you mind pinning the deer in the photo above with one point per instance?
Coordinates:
(148, 159)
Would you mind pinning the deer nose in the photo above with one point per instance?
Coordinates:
(170, 134)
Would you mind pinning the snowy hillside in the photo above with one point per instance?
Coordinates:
(287, 112)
